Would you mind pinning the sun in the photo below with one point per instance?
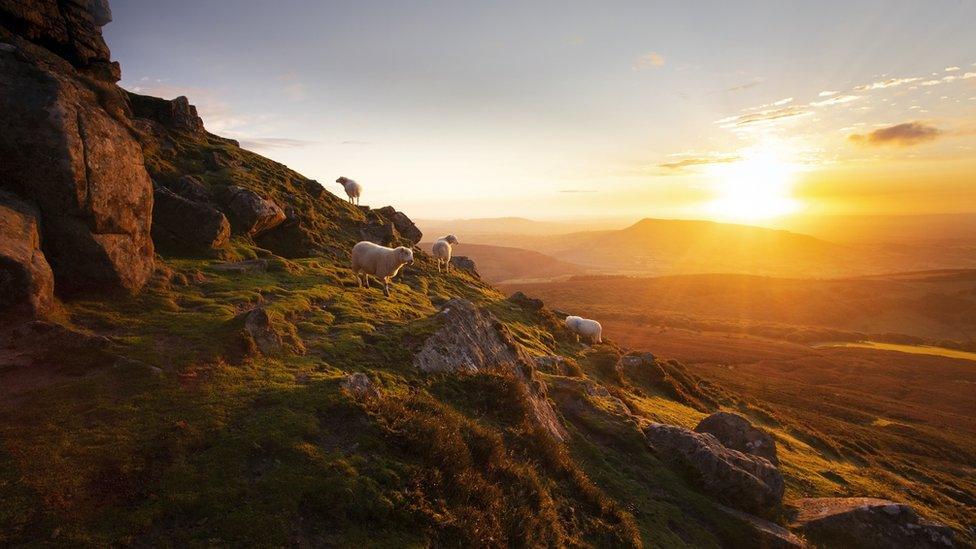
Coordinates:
(757, 187)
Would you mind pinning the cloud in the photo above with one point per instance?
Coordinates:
(839, 100)
(745, 86)
(889, 83)
(265, 143)
(951, 69)
(828, 93)
(766, 115)
(650, 60)
(909, 133)
(354, 142)
(699, 161)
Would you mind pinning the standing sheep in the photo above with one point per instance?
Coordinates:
(379, 261)
(588, 329)
(442, 251)
(353, 189)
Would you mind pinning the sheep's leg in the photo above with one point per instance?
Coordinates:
(386, 286)
(366, 279)
(359, 279)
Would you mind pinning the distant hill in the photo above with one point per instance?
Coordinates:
(504, 264)
(489, 229)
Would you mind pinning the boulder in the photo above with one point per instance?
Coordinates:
(743, 481)
(191, 188)
(258, 329)
(180, 224)
(866, 523)
(70, 29)
(65, 145)
(766, 534)
(291, 238)
(359, 385)
(26, 280)
(472, 340)
(380, 232)
(465, 264)
(526, 302)
(735, 431)
(249, 213)
(175, 114)
(407, 229)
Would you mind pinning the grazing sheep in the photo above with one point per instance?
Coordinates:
(379, 261)
(442, 251)
(353, 189)
(589, 329)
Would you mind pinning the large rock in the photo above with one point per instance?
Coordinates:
(735, 431)
(176, 114)
(291, 238)
(472, 340)
(190, 188)
(740, 480)
(250, 213)
(69, 28)
(66, 146)
(526, 302)
(179, 224)
(26, 280)
(465, 264)
(867, 523)
(405, 227)
(766, 534)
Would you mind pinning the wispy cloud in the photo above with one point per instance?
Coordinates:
(745, 86)
(698, 161)
(651, 60)
(951, 69)
(765, 115)
(827, 93)
(354, 142)
(909, 133)
(889, 83)
(266, 143)
(838, 100)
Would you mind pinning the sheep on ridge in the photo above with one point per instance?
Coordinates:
(588, 329)
(379, 261)
(353, 189)
(442, 251)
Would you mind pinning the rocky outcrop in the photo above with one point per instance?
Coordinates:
(249, 213)
(69, 28)
(471, 341)
(180, 224)
(745, 482)
(526, 302)
(406, 228)
(867, 523)
(26, 280)
(359, 385)
(464, 263)
(291, 238)
(735, 431)
(766, 534)
(66, 146)
(177, 114)
(258, 329)
(191, 188)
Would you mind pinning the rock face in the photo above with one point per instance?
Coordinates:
(867, 523)
(26, 280)
(191, 188)
(766, 534)
(251, 214)
(735, 431)
(526, 302)
(404, 226)
(465, 264)
(740, 480)
(186, 225)
(471, 341)
(66, 146)
(69, 28)
(173, 113)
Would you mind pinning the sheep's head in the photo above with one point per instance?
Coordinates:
(451, 239)
(342, 180)
(571, 321)
(405, 255)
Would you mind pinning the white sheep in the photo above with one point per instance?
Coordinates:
(442, 251)
(379, 261)
(353, 189)
(589, 329)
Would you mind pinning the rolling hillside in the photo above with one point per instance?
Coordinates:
(498, 264)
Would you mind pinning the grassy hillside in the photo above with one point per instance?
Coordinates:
(177, 431)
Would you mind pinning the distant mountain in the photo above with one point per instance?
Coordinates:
(504, 264)
(665, 246)
(487, 230)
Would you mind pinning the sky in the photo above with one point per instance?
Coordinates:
(742, 111)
